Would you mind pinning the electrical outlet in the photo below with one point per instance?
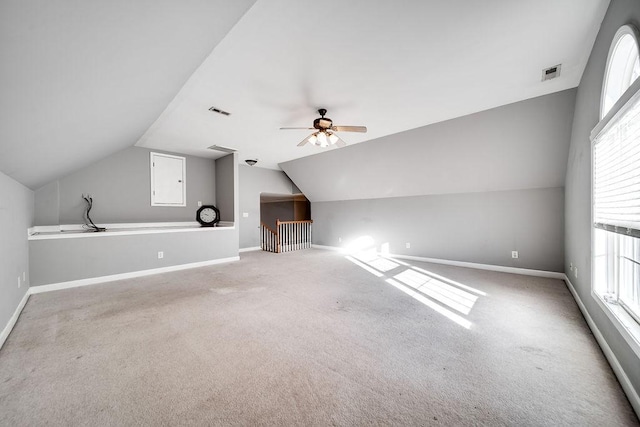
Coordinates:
(245, 214)
(24, 276)
(339, 239)
(575, 272)
(514, 254)
(160, 255)
(19, 281)
(408, 245)
(199, 203)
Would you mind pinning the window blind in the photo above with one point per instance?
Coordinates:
(616, 192)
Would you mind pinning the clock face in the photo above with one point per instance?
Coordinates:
(208, 215)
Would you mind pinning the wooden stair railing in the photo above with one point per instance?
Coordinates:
(288, 236)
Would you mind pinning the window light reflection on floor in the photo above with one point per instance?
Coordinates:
(443, 295)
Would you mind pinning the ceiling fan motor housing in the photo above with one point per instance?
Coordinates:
(322, 123)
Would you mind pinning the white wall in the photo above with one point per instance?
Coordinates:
(16, 216)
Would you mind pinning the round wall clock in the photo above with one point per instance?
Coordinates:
(208, 215)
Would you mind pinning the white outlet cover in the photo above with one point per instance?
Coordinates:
(18, 281)
(160, 255)
(514, 254)
(245, 214)
(575, 272)
(199, 203)
(408, 245)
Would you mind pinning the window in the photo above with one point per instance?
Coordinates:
(623, 67)
(168, 186)
(616, 181)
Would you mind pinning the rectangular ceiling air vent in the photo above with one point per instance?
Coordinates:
(223, 149)
(551, 72)
(219, 111)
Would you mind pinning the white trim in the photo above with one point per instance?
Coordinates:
(253, 248)
(131, 275)
(74, 231)
(130, 225)
(621, 106)
(184, 179)
(625, 30)
(328, 248)
(624, 323)
(12, 321)
(627, 386)
(490, 267)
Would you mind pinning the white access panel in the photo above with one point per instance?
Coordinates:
(168, 186)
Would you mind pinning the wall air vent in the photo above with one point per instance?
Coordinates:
(551, 72)
(223, 149)
(219, 111)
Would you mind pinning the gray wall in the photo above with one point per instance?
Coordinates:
(473, 227)
(47, 204)
(578, 181)
(273, 211)
(226, 186)
(16, 216)
(121, 188)
(518, 146)
(469, 189)
(61, 260)
(253, 181)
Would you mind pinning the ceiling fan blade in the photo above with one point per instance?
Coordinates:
(340, 143)
(297, 128)
(303, 142)
(349, 128)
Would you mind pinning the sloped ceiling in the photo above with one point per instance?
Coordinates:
(83, 79)
(520, 146)
(389, 65)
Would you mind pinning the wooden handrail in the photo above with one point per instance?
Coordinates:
(268, 228)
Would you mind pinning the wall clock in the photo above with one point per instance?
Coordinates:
(208, 215)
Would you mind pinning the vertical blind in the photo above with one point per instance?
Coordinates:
(616, 181)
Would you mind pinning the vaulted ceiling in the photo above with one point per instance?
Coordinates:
(80, 80)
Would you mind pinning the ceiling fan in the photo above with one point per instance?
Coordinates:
(324, 134)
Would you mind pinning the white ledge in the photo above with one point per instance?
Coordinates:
(75, 231)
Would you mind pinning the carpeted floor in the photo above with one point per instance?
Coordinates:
(309, 338)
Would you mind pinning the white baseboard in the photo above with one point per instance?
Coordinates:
(131, 275)
(631, 392)
(12, 321)
(328, 248)
(490, 267)
(253, 248)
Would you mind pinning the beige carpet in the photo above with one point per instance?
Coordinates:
(309, 338)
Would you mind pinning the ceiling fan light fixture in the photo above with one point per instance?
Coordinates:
(322, 139)
(313, 138)
(333, 138)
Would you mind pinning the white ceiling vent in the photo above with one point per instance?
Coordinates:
(551, 72)
(223, 149)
